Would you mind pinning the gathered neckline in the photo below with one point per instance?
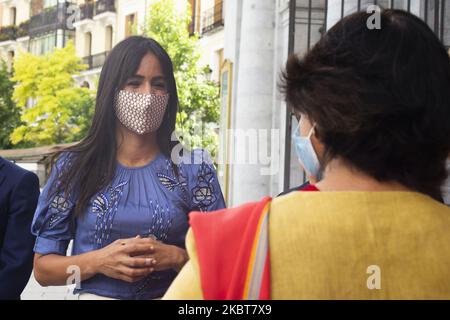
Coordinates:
(159, 155)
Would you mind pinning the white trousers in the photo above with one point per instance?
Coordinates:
(91, 296)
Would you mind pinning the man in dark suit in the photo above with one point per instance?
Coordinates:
(19, 193)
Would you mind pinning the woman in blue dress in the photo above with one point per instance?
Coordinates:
(123, 193)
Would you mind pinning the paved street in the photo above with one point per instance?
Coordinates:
(34, 291)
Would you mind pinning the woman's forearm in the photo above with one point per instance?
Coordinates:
(55, 270)
(119, 260)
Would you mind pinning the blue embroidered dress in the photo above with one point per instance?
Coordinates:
(147, 201)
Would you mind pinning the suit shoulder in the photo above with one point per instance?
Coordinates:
(9, 168)
(30, 177)
(16, 173)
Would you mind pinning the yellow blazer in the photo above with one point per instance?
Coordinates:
(349, 245)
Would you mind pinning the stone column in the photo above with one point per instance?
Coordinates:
(252, 96)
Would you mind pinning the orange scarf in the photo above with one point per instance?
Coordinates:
(235, 267)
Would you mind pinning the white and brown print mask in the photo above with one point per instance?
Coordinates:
(140, 112)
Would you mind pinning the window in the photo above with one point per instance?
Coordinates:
(10, 60)
(50, 3)
(130, 24)
(43, 44)
(66, 36)
(218, 11)
(194, 26)
(109, 38)
(213, 17)
(87, 44)
(12, 16)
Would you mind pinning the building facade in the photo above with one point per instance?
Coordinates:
(95, 26)
(208, 22)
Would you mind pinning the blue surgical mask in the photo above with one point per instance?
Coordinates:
(306, 153)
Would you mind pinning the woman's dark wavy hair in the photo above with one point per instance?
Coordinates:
(92, 162)
(380, 98)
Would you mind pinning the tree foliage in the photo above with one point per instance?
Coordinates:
(54, 109)
(9, 112)
(199, 97)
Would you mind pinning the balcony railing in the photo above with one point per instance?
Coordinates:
(96, 60)
(13, 32)
(50, 19)
(8, 33)
(24, 29)
(102, 6)
(86, 11)
(213, 18)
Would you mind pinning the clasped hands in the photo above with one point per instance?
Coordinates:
(134, 259)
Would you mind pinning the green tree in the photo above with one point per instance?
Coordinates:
(199, 97)
(60, 112)
(9, 112)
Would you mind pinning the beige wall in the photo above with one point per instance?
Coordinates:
(97, 27)
(211, 43)
(127, 7)
(22, 11)
(22, 14)
(210, 47)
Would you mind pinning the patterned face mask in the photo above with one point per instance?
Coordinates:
(140, 112)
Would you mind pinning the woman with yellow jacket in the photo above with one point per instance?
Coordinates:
(374, 108)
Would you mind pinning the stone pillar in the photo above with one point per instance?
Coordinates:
(253, 91)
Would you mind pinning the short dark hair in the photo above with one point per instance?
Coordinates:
(380, 98)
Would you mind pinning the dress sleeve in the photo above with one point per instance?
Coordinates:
(204, 189)
(53, 223)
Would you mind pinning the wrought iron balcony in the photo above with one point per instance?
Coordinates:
(8, 33)
(96, 60)
(213, 18)
(102, 6)
(50, 19)
(86, 11)
(23, 29)
(13, 32)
